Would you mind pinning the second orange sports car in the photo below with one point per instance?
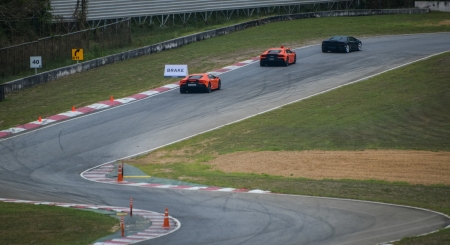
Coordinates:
(202, 81)
(282, 55)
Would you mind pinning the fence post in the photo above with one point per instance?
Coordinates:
(2, 92)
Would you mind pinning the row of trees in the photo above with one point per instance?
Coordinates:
(22, 20)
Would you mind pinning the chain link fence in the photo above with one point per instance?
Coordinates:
(16, 59)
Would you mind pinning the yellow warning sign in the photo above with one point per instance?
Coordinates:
(77, 54)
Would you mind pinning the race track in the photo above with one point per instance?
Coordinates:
(45, 164)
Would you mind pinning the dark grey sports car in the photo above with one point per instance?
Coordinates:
(341, 44)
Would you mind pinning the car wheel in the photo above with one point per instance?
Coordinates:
(359, 46)
(219, 85)
(261, 63)
(324, 50)
(347, 48)
(182, 90)
(295, 59)
(286, 63)
(208, 89)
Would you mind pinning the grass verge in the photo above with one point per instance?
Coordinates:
(136, 75)
(40, 224)
(404, 109)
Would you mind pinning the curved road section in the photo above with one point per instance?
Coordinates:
(45, 164)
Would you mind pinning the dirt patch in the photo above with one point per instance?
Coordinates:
(169, 157)
(414, 167)
(441, 23)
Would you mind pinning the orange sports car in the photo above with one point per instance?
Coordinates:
(282, 55)
(202, 81)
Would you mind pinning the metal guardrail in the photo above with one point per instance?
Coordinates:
(111, 9)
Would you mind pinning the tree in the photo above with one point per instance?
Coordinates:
(80, 14)
(23, 20)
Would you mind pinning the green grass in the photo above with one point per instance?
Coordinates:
(404, 109)
(40, 224)
(140, 74)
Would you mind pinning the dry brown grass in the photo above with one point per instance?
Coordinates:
(440, 23)
(414, 167)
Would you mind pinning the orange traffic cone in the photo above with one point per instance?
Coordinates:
(119, 174)
(166, 219)
(73, 108)
(111, 98)
(40, 119)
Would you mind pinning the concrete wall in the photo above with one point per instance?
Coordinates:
(178, 42)
(443, 6)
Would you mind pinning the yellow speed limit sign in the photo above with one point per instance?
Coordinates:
(77, 54)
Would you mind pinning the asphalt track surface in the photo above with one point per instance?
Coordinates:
(45, 164)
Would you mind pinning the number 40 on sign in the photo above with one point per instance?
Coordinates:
(35, 62)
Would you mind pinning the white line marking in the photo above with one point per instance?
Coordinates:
(248, 61)
(164, 186)
(125, 100)
(16, 130)
(44, 121)
(148, 93)
(98, 106)
(259, 191)
(71, 113)
(195, 188)
(226, 189)
(171, 86)
(232, 67)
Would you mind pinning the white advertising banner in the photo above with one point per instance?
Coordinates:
(173, 71)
